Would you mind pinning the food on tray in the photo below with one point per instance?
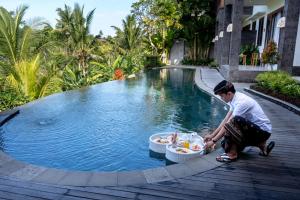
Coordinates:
(180, 143)
(162, 140)
(186, 144)
(196, 147)
(180, 150)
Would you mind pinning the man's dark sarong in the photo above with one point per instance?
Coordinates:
(243, 133)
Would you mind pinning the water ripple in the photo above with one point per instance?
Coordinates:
(106, 127)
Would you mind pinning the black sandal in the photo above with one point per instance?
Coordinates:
(268, 150)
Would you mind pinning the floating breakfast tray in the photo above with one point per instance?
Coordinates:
(162, 143)
(159, 141)
(181, 154)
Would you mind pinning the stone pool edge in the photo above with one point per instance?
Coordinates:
(15, 169)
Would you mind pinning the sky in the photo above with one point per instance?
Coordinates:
(108, 12)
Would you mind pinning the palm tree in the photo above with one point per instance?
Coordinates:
(63, 27)
(33, 82)
(14, 36)
(20, 69)
(75, 28)
(128, 42)
(131, 35)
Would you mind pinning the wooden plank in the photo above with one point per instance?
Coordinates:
(249, 179)
(103, 191)
(239, 183)
(157, 193)
(13, 196)
(287, 179)
(91, 195)
(30, 192)
(72, 198)
(30, 185)
(150, 197)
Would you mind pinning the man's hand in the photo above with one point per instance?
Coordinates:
(207, 138)
(209, 144)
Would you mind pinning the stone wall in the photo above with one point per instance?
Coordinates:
(177, 52)
(238, 75)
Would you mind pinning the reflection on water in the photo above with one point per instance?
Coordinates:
(106, 127)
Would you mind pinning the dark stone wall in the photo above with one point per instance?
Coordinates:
(288, 35)
(227, 36)
(235, 39)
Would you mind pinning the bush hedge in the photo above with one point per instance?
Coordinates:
(280, 82)
(202, 62)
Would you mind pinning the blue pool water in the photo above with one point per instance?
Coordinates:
(106, 127)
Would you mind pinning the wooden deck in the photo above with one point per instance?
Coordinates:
(251, 177)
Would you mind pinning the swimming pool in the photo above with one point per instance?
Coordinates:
(106, 127)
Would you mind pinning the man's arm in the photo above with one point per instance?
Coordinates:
(213, 134)
(222, 129)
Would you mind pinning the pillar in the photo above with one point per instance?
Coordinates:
(288, 35)
(220, 41)
(226, 38)
(235, 39)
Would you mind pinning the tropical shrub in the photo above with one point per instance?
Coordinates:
(152, 61)
(10, 98)
(280, 82)
(270, 54)
(202, 62)
(213, 64)
(248, 50)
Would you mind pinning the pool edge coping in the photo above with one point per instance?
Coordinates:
(15, 169)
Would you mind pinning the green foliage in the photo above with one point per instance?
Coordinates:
(131, 36)
(164, 21)
(199, 62)
(20, 67)
(279, 81)
(152, 61)
(32, 81)
(160, 19)
(10, 98)
(128, 41)
(198, 21)
(14, 38)
(248, 50)
(74, 29)
(213, 64)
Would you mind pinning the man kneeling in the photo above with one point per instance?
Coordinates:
(244, 125)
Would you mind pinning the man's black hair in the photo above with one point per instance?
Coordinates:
(224, 87)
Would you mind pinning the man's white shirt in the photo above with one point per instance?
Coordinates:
(246, 107)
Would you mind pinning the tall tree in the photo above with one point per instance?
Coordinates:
(160, 19)
(198, 21)
(129, 42)
(131, 35)
(19, 65)
(75, 30)
(14, 36)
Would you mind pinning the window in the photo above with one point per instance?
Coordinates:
(246, 28)
(260, 31)
(273, 31)
(254, 26)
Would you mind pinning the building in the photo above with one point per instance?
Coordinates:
(256, 22)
